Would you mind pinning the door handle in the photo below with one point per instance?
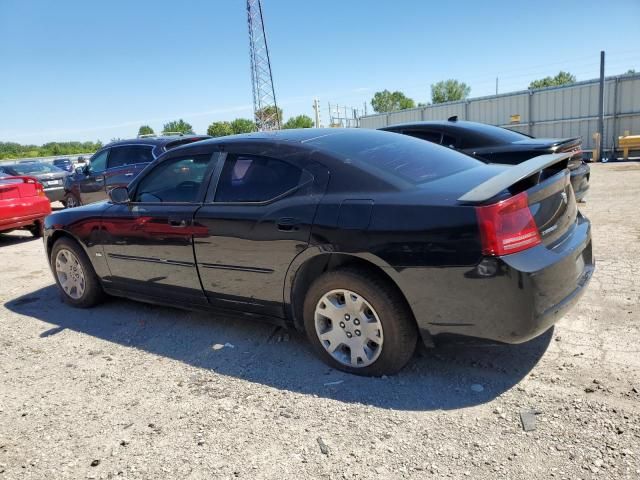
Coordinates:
(128, 174)
(179, 222)
(288, 224)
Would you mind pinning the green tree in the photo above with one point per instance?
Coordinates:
(220, 129)
(10, 150)
(630, 71)
(449, 91)
(179, 126)
(386, 101)
(145, 130)
(270, 117)
(562, 78)
(243, 125)
(301, 121)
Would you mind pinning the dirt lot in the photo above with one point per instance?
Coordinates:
(128, 390)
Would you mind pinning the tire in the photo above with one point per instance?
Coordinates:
(71, 201)
(36, 229)
(91, 292)
(389, 318)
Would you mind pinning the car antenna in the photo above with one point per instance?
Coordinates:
(453, 118)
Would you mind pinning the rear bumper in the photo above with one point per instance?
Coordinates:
(21, 222)
(580, 180)
(55, 194)
(508, 299)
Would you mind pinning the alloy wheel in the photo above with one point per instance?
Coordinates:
(70, 274)
(72, 202)
(348, 328)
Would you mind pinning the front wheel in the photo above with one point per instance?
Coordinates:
(74, 274)
(357, 322)
(71, 201)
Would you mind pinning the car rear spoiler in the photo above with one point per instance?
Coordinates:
(18, 179)
(500, 182)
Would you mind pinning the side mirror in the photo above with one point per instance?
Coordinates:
(119, 195)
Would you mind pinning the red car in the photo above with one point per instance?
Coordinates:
(23, 204)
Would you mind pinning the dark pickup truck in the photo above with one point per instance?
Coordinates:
(116, 165)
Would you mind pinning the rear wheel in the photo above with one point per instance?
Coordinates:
(71, 201)
(357, 322)
(75, 275)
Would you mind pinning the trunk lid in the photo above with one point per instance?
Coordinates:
(553, 207)
(18, 187)
(543, 185)
(557, 145)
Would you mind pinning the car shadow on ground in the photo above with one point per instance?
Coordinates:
(454, 375)
(16, 238)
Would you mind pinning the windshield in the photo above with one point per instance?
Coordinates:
(35, 167)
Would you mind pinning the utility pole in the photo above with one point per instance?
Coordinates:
(365, 109)
(316, 108)
(601, 106)
(496, 85)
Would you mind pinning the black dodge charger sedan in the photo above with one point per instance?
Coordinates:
(499, 145)
(365, 240)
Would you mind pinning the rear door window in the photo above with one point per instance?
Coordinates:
(130, 155)
(251, 178)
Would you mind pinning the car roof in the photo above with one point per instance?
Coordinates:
(296, 135)
(462, 124)
(157, 141)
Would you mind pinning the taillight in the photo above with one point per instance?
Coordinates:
(507, 226)
(40, 190)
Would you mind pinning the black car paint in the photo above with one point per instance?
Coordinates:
(90, 186)
(251, 259)
(478, 140)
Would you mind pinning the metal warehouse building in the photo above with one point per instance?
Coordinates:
(567, 111)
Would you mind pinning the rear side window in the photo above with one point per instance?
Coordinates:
(433, 137)
(175, 180)
(249, 178)
(448, 140)
(130, 155)
(395, 157)
(478, 135)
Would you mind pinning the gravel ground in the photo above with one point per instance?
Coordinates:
(128, 390)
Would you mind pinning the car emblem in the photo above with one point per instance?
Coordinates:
(564, 197)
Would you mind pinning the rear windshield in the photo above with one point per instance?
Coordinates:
(26, 168)
(393, 156)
